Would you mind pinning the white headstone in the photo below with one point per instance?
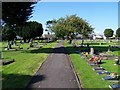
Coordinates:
(92, 51)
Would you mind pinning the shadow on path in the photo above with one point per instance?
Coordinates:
(57, 70)
(13, 81)
(97, 49)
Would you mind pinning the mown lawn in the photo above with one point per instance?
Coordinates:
(109, 66)
(19, 73)
(88, 77)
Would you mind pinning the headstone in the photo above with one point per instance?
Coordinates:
(92, 51)
(6, 48)
(116, 61)
(109, 48)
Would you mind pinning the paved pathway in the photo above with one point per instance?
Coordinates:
(56, 72)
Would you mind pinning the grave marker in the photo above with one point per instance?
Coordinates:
(92, 51)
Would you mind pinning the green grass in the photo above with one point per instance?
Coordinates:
(19, 73)
(116, 53)
(99, 46)
(109, 66)
(88, 77)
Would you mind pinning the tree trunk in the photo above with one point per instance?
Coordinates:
(70, 41)
(82, 42)
(28, 40)
(63, 38)
(48, 40)
(21, 41)
(24, 40)
(15, 42)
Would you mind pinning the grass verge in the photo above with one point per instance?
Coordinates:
(19, 73)
(89, 78)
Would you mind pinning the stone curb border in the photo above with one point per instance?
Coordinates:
(76, 76)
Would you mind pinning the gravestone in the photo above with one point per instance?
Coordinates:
(116, 61)
(109, 48)
(91, 51)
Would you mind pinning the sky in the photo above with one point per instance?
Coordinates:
(60, 0)
(100, 15)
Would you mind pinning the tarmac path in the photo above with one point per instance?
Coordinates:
(56, 72)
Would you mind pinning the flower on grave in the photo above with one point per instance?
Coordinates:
(113, 75)
(85, 53)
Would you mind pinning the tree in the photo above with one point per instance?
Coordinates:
(108, 33)
(58, 27)
(16, 13)
(118, 33)
(49, 24)
(30, 30)
(8, 35)
(70, 26)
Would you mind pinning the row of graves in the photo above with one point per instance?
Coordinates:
(15, 46)
(18, 46)
(95, 62)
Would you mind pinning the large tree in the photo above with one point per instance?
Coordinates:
(118, 33)
(16, 13)
(58, 27)
(30, 30)
(49, 25)
(108, 33)
(70, 26)
(8, 35)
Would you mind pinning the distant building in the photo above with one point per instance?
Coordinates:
(104, 37)
(113, 37)
(97, 37)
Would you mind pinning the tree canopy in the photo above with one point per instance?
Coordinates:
(30, 30)
(8, 33)
(70, 26)
(16, 13)
(108, 33)
(118, 32)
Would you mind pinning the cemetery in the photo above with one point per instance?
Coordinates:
(22, 61)
(62, 52)
(101, 68)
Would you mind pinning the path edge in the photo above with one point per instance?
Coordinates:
(76, 76)
(38, 69)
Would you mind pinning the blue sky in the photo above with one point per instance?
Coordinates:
(100, 15)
